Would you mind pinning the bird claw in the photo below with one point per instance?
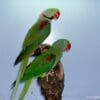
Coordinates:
(51, 73)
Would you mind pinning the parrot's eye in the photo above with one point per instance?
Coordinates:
(68, 47)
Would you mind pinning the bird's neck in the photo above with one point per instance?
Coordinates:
(57, 51)
(42, 18)
(43, 24)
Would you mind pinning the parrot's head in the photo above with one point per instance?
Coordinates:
(62, 45)
(51, 14)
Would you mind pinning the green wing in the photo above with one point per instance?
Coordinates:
(33, 39)
(42, 64)
(35, 34)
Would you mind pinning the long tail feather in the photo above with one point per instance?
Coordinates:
(13, 84)
(20, 75)
(25, 89)
(19, 58)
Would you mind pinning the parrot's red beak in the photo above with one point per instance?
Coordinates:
(68, 47)
(56, 15)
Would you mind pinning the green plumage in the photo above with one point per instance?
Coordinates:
(25, 89)
(19, 76)
(35, 36)
(45, 62)
(33, 39)
(38, 33)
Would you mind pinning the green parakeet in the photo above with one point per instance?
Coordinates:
(35, 36)
(44, 63)
(38, 33)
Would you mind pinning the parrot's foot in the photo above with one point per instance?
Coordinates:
(51, 73)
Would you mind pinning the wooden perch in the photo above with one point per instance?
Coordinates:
(53, 88)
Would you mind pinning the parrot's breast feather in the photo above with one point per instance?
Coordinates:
(39, 66)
